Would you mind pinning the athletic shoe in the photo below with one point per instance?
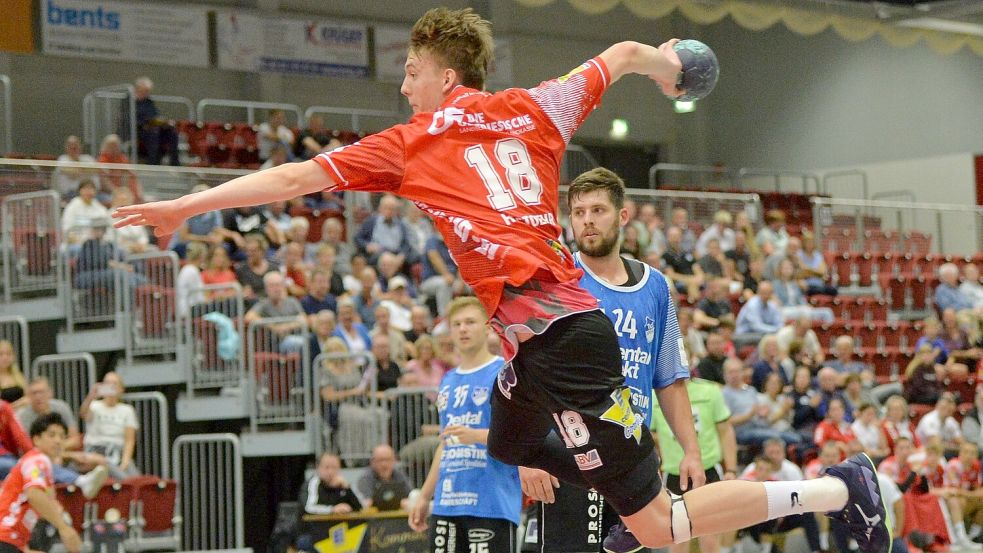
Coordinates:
(91, 482)
(865, 513)
(621, 540)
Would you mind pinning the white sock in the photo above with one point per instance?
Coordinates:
(975, 530)
(821, 495)
(960, 530)
(824, 541)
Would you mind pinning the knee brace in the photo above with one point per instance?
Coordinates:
(680, 526)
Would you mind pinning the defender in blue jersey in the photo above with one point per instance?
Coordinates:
(476, 499)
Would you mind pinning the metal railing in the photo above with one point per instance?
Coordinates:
(8, 115)
(70, 375)
(411, 410)
(576, 160)
(149, 300)
(210, 496)
(207, 328)
(152, 452)
(31, 237)
(250, 107)
(357, 118)
(357, 421)
(843, 177)
(900, 227)
(112, 109)
(14, 330)
(698, 176)
(279, 381)
(95, 274)
(748, 178)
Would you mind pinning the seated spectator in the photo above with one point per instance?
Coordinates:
(965, 483)
(319, 297)
(397, 342)
(931, 336)
(322, 326)
(971, 287)
(294, 269)
(273, 132)
(155, 135)
(720, 231)
(754, 276)
(326, 492)
(679, 218)
(11, 378)
(956, 339)
(218, 269)
(386, 372)
(278, 304)
(367, 298)
(279, 154)
(313, 140)
(973, 420)
(386, 231)
(855, 394)
(654, 237)
(112, 180)
(131, 238)
(867, 429)
(324, 259)
(829, 382)
(188, 288)
(67, 179)
(679, 265)
(110, 427)
(801, 329)
(630, 247)
(711, 367)
(692, 338)
(440, 276)
(812, 267)
(791, 252)
(843, 363)
(447, 356)
(790, 293)
(252, 272)
(714, 306)
(779, 415)
(244, 221)
(829, 455)
(934, 471)
(206, 227)
(713, 263)
(399, 301)
(81, 212)
(99, 263)
(772, 359)
(924, 380)
(938, 425)
(896, 424)
(420, 225)
(353, 333)
(749, 414)
(331, 233)
(836, 429)
(389, 268)
(738, 257)
(423, 370)
(421, 323)
(772, 238)
(947, 293)
(759, 315)
(293, 229)
(342, 387)
(382, 470)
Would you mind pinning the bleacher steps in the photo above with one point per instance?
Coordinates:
(143, 372)
(102, 339)
(208, 408)
(36, 309)
(276, 443)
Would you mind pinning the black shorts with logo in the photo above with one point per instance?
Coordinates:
(471, 535)
(568, 380)
(672, 480)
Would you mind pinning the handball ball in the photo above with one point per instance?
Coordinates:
(700, 69)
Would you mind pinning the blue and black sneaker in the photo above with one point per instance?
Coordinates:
(621, 540)
(865, 513)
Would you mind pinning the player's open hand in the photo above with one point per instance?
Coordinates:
(538, 484)
(691, 472)
(164, 216)
(419, 513)
(668, 83)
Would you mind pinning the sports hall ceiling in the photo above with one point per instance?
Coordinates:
(965, 16)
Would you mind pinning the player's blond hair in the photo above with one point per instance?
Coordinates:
(598, 178)
(459, 39)
(463, 303)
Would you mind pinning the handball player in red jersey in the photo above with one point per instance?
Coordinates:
(486, 167)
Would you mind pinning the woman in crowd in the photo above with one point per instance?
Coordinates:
(692, 338)
(218, 269)
(923, 379)
(188, 290)
(867, 429)
(12, 382)
(771, 360)
(130, 239)
(110, 427)
(835, 429)
(423, 370)
(780, 405)
(791, 293)
(806, 400)
(896, 423)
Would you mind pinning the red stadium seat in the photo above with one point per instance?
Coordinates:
(119, 496)
(864, 263)
(918, 287)
(73, 502)
(842, 268)
(156, 307)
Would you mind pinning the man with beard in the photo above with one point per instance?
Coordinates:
(636, 298)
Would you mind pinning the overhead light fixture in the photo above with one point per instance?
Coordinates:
(943, 25)
(684, 107)
(619, 129)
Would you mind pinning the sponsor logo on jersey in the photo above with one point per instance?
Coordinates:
(442, 398)
(622, 414)
(479, 535)
(649, 329)
(507, 380)
(589, 460)
(465, 419)
(446, 118)
(479, 395)
(576, 70)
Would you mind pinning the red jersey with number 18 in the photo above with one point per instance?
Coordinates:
(486, 168)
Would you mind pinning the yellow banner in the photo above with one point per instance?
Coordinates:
(16, 33)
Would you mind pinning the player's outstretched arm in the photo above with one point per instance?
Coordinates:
(660, 64)
(279, 183)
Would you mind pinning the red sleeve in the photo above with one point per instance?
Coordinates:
(15, 439)
(569, 99)
(917, 443)
(35, 472)
(820, 437)
(373, 164)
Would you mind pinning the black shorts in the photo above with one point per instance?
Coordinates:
(8, 548)
(672, 480)
(471, 535)
(568, 379)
